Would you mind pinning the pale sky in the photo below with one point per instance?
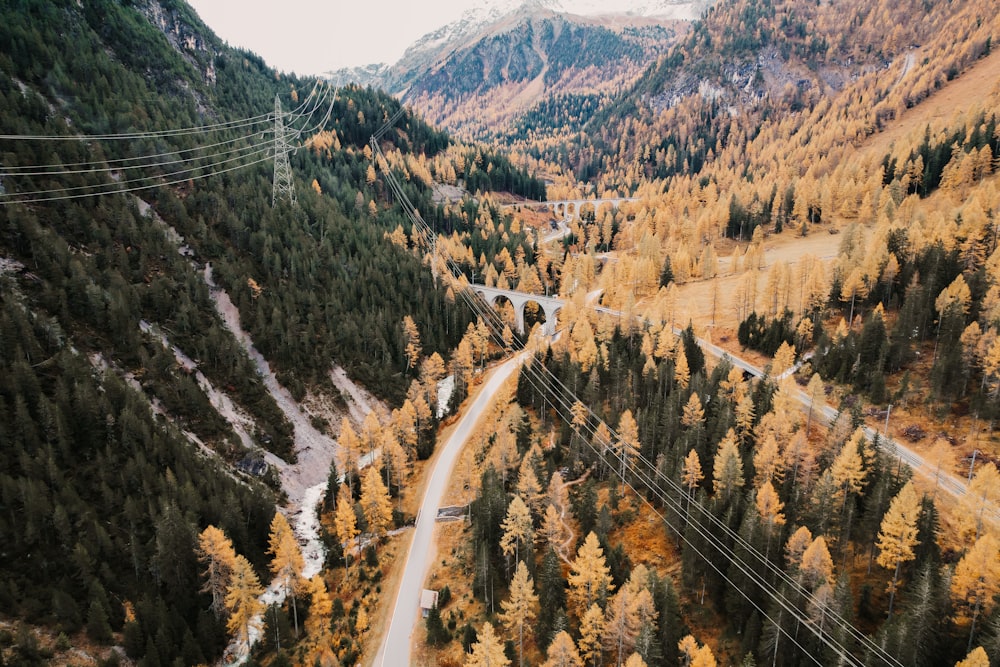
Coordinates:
(314, 36)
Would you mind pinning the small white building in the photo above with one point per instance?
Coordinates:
(428, 600)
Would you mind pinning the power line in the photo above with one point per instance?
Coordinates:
(129, 136)
(115, 186)
(218, 162)
(148, 186)
(117, 164)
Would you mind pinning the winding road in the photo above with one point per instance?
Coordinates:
(395, 648)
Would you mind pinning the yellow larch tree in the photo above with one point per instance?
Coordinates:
(769, 507)
(376, 504)
(589, 577)
(693, 414)
(562, 652)
(517, 528)
(848, 471)
(816, 565)
(635, 660)
(591, 631)
(694, 655)
(553, 531)
(768, 463)
(621, 625)
(854, 287)
(216, 552)
(983, 493)
(528, 486)
(405, 425)
(411, 342)
(815, 391)
(627, 445)
(243, 601)
(784, 360)
(350, 450)
(462, 362)
(319, 646)
(682, 372)
(898, 535)
(976, 581)
(691, 476)
(976, 658)
(371, 435)
(520, 609)
(432, 369)
(396, 461)
(286, 560)
(744, 418)
(488, 650)
(345, 521)
(957, 294)
(796, 546)
(727, 468)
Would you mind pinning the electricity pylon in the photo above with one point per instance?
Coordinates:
(283, 186)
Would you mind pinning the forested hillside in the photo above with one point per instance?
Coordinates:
(135, 182)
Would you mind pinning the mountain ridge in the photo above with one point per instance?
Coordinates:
(603, 48)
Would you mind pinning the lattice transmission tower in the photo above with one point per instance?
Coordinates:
(283, 187)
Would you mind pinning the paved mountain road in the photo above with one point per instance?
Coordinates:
(395, 648)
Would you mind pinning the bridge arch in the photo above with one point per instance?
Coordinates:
(519, 300)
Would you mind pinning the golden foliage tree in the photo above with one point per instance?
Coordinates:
(319, 649)
(848, 471)
(243, 601)
(528, 486)
(816, 566)
(216, 552)
(982, 494)
(976, 581)
(727, 469)
(627, 446)
(517, 528)
(520, 609)
(694, 414)
(682, 372)
(769, 506)
(621, 625)
(635, 660)
(286, 560)
(562, 652)
(769, 465)
(796, 546)
(898, 535)
(350, 450)
(488, 650)
(691, 474)
(375, 504)
(553, 530)
(591, 631)
(976, 658)
(694, 655)
(345, 521)
(411, 341)
(589, 576)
